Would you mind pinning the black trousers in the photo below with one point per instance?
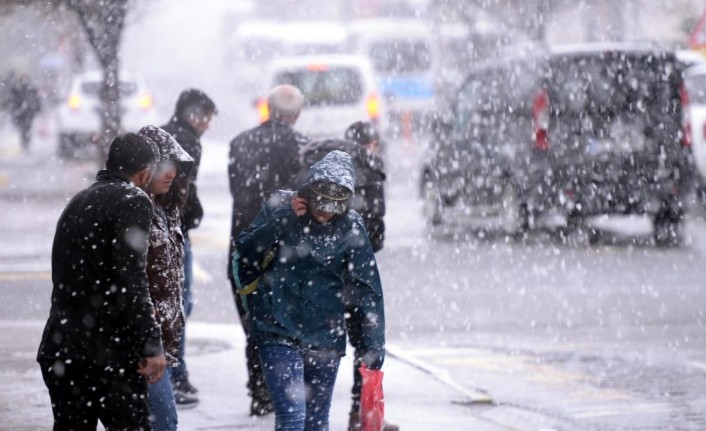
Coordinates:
(354, 326)
(83, 394)
(257, 386)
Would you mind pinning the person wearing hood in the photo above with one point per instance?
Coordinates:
(165, 266)
(362, 142)
(320, 246)
(192, 117)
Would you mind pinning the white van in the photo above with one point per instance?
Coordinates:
(339, 89)
(256, 43)
(400, 51)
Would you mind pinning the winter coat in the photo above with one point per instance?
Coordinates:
(190, 141)
(101, 310)
(165, 256)
(262, 161)
(299, 301)
(369, 197)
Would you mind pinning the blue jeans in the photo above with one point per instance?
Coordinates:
(179, 372)
(163, 410)
(301, 385)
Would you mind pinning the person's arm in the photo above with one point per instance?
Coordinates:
(275, 219)
(290, 160)
(131, 226)
(367, 295)
(193, 210)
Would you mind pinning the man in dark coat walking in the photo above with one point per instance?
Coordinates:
(101, 344)
(192, 116)
(262, 161)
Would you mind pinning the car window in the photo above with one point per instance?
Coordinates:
(476, 100)
(611, 83)
(328, 86)
(258, 50)
(696, 87)
(93, 88)
(400, 56)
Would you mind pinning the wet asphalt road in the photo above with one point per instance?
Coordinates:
(598, 337)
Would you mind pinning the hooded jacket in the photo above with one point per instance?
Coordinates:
(101, 312)
(165, 256)
(299, 301)
(369, 197)
(190, 142)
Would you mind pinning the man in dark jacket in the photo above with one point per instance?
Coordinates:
(262, 161)
(192, 116)
(101, 344)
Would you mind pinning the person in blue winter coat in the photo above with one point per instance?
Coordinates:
(320, 245)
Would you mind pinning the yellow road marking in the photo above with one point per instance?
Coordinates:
(25, 276)
(580, 384)
(212, 241)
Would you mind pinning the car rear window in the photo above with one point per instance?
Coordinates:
(619, 83)
(613, 103)
(323, 85)
(93, 88)
(400, 56)
(696, 87)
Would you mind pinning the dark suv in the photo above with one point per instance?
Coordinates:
(568, 133)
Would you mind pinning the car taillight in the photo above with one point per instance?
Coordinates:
(540, 119)
(317, 67)
(372, 106)
(145, 102)
(74, 102)
(685, 117)
(263, 110)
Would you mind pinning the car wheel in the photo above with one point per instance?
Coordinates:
(578, 230)
(514, 216)
(432, 201)
(667, 229)
(66, 146)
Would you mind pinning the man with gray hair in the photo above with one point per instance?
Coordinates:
(285, 103)
(262, 161)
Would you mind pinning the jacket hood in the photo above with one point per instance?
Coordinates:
(336, 167)
(169, 149)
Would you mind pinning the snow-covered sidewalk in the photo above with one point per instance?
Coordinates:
(415, 399)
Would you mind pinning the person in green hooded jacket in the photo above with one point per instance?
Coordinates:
(320, 245)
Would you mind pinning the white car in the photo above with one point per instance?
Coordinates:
(695, 81)
(339, 89)
(78, 119)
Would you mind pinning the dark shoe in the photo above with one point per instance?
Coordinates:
(184, 400)
(354, 422)
(185, 386)
(261, 407)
